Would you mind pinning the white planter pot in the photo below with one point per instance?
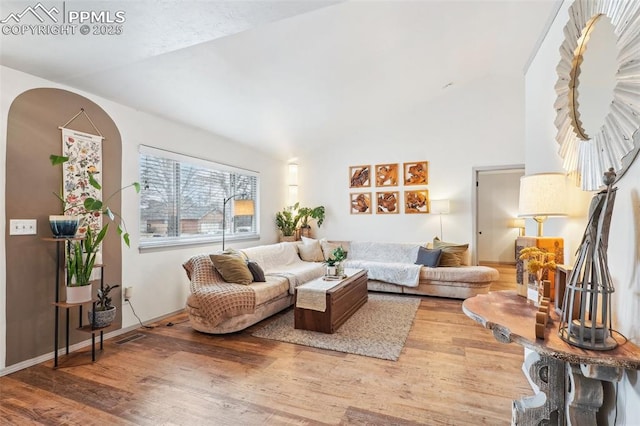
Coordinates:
(79, 294)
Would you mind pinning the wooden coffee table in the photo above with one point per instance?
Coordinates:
(342, 301)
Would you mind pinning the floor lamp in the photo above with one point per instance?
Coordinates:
(241, 208)
(440, 207)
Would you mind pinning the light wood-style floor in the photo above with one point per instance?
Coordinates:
(451, 372)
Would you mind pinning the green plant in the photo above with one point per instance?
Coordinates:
(307, 213)
(286, 221)
(104, 301)
(93, 206)
(336, 256)
(81, 257)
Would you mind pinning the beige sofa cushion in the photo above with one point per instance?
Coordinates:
(274, 287)
(311, 251)
(468, 274)
(452, 253)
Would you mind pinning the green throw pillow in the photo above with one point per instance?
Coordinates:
(232, 268)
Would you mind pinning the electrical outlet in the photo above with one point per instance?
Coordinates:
(23, 227)
(128, 293)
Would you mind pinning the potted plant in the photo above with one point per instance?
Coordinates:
(94, 206)
(80, 260)
(335, 267)
(104, 312)
(287, 223)
(305, 214)
(81, 252)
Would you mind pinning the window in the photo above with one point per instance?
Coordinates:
(182, 199)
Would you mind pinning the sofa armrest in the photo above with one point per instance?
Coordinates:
(201, 272)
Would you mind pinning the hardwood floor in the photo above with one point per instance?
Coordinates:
(451, 372)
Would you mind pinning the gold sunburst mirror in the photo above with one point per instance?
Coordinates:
(598, 90)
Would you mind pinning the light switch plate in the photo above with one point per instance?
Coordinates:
(23, 227)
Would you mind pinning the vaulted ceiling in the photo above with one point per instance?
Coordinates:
(284, 76)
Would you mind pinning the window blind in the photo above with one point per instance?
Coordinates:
(182, 199)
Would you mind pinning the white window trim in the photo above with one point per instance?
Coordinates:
(169, 242)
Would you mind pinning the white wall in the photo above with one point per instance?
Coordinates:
(624, 239)
(480, 124)
(160, 285)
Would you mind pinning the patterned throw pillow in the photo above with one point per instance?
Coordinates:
(452, 253)
(232, 268)
(428, 257)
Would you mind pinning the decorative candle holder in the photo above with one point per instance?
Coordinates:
(586, 312)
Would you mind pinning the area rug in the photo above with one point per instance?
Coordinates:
(378, 329)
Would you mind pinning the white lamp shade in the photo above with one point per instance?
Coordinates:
(543, 194)
(440, 206)
(243, 208)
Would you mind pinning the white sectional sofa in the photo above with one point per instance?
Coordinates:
(380, 259)
(217, 306)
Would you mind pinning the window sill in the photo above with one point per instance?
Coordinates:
(184, 242)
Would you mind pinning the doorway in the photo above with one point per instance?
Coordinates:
(496, 194)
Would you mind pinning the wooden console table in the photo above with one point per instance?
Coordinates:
(570, 377)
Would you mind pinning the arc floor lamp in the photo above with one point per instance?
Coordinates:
(240, 208)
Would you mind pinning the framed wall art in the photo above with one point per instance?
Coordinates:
(360, 203)
(416, 173)
(416, 201)
(359, 176)
(387, 202)
(386, 174)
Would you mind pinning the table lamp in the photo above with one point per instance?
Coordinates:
(543, 195)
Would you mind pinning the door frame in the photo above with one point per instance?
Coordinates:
(474, 201)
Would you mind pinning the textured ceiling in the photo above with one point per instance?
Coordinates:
(284, 76)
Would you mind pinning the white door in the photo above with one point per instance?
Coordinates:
(497, 193)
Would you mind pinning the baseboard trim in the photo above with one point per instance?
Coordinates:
(46, 357)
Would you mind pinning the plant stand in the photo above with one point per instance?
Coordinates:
(58, 304)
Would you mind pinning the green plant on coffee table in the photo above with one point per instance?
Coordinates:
(539, 261)
(286, 221)
(336, 256)
(104, 300)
